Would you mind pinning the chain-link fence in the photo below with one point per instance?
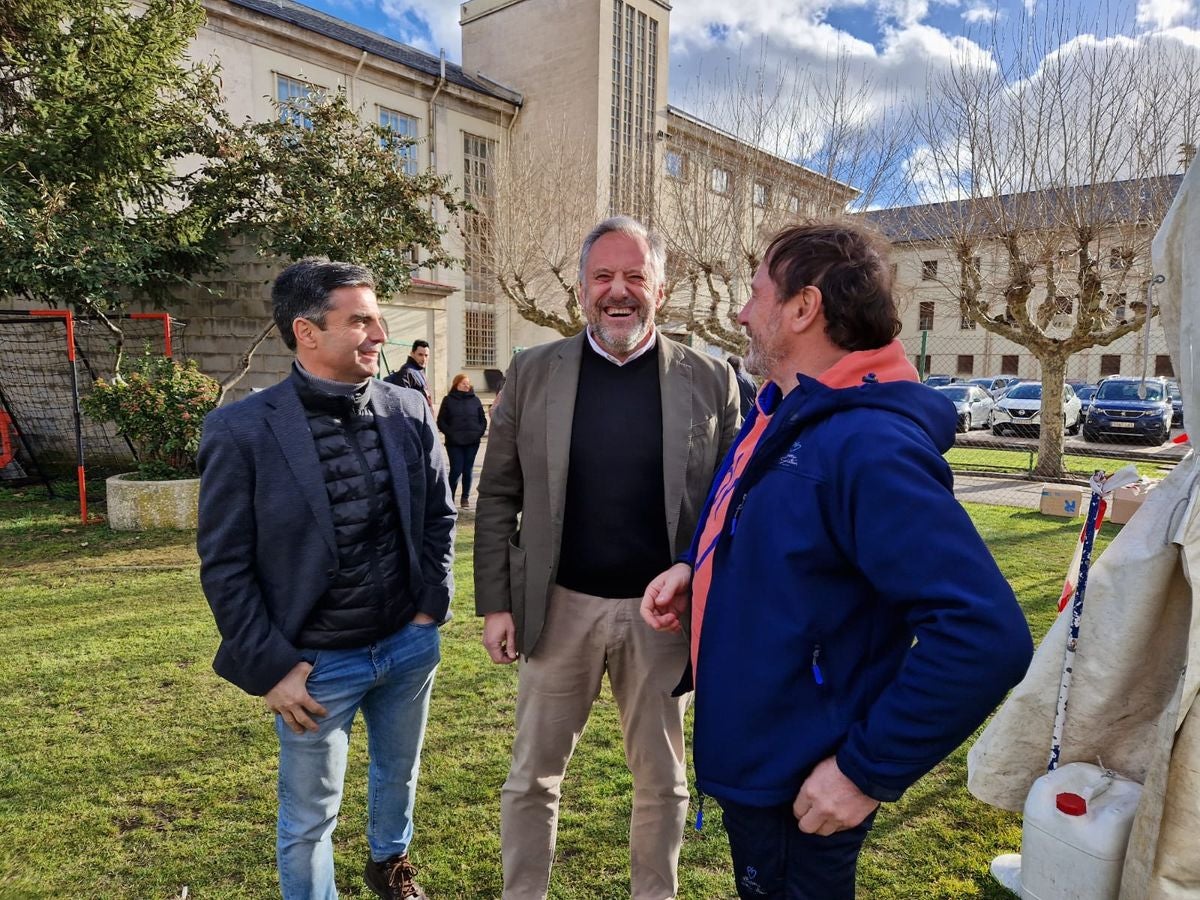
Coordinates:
(1120, 405)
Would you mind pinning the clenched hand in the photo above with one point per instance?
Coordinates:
(500, 637)
(829, 801)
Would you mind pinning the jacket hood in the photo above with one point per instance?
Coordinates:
(881, 380)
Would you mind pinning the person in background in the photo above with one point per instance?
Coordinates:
(462, 420)
(746, 387)
(412, 373)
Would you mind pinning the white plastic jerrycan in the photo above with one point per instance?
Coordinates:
(1077, 823)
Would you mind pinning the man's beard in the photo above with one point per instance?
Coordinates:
(623, 341)
(762, 359)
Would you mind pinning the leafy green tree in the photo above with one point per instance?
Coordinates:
(319, 180)
(102, 119)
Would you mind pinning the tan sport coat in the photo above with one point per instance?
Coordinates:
(523, 490)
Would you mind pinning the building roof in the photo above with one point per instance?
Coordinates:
(1112, 202)
(384, 47)
(730, 136)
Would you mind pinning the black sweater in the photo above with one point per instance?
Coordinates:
(615, 525)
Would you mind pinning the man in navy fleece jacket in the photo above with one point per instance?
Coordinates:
(849, 628)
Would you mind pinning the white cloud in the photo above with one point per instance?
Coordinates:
(1105, 109)
(980, 12)
(439, 17)
(904, 13)
(1164, 13)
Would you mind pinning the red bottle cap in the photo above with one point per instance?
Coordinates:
(1071, 804)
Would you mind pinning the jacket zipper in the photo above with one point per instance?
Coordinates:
(816, 665)
(737, 512)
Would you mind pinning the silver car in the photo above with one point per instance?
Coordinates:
(972, 403)
(1020, 410)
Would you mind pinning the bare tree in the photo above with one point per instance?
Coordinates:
(527, 231)
(776, 145)
(1047, 165)
(772, 147)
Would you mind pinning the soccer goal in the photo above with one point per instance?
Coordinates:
(49, 359)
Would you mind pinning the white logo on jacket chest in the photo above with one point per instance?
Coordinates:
(791, 459)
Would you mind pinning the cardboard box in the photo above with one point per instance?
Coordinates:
(1062, 500)
(1126, 501)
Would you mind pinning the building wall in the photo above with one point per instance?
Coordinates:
(253, 49)
(567, 87)
(949, 344)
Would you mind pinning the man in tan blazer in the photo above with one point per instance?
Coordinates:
(598, 464)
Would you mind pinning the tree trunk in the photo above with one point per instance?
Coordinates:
(1050, 446)
(244, 363)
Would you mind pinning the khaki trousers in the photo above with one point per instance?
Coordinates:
(585, 636)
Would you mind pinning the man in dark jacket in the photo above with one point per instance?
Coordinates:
(849, 628)
(326, 538)
(746, 388)
(412, 373)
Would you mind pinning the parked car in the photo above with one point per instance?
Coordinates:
(1085, 393)
(1020, 410)
(1176, 396)
(996, 385)
(972, 403)
(1130, 407)
(941, 380)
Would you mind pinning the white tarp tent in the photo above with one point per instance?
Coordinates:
(1132, 704)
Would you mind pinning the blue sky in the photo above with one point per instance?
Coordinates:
(891, 51)
(718, 28)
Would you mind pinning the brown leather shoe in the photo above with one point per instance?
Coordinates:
(393, 879)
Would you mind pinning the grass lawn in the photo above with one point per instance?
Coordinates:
(128, 769)
(989, 459)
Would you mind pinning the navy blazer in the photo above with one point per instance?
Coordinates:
(266, 538)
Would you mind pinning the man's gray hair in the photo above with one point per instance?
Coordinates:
(635, 229)
(302, 291)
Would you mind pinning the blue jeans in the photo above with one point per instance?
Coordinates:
(462, 461)
(390, 680)
(773, 858)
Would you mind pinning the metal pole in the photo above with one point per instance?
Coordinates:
(924, 366)
(1064, 686)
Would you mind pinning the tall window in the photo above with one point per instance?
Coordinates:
(925, 316)
(928, 269)
(295, 90)
(1008, 364)
(966, 364)
(1162, 365)
(1110, 364)
(719, 180)
(479, 190)
(675, 164)
(762, 194)
(631, 118)
(405, 127)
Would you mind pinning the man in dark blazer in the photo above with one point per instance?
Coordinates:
(326, 539)
(412, 373)
(598, 463)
